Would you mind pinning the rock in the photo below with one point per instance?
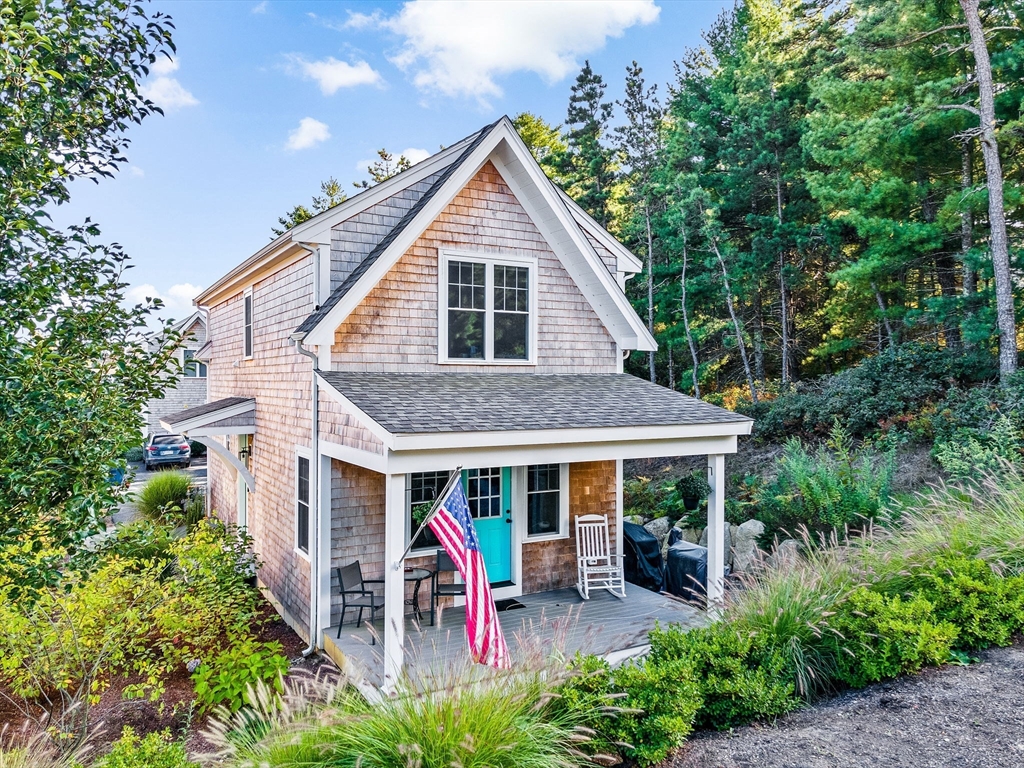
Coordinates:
(659, 527)
(635, 519)
(785, 555)
(728, 543)
(745, 554)
(691, 535)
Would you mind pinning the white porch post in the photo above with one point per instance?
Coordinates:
(716, 529)
(324, 547)
(394, 580)
(619, 536)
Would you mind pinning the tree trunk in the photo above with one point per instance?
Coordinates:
(783, 309)
(686, 318)
(970, 279)
(650, 287)
(994, 178)
(671, 370)
(885, 315)
(735, 323)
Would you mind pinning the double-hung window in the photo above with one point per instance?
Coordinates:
(247, 322)
(423, 490)
(488, 306)
(302, 504)
(547, 501)
(194, 368)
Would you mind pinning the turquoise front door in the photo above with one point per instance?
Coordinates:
(489, 492)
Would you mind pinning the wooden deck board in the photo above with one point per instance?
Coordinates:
(555, 620)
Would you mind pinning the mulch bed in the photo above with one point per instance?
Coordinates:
(173, 710)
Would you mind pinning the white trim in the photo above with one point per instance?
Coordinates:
(512, 438)
(230, 458)
(563, 506)
(251, 326)
(198, 422)
(619, 535)
(360, 458)
(425, 461)
(304, 453)
(633, 265)
(489, 260)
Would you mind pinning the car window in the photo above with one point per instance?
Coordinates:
(168, 439)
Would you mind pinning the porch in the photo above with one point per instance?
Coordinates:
(555, 620)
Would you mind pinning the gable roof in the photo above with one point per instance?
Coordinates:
(501, 144)
(356, 274)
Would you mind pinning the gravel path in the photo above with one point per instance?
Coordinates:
(969, 717)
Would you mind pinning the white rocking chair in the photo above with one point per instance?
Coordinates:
(598, 567)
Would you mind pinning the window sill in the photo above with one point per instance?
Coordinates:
(545, 537)
(476, 361)
(303, 555)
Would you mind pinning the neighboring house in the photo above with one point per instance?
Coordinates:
(187, 389)
(463, 313)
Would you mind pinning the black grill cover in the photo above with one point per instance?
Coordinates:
(687, 568)
(642, 554)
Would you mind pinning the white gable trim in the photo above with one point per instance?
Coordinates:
(627, 260)
(527, 181)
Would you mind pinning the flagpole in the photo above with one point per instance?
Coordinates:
(455, 476)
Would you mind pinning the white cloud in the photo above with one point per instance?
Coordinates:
(135, 171)
(459, 47)
(261, 7)
(332, 75)
(177, 298)
(309, 133)
(165, 91)
(358, 20)
(412, 154)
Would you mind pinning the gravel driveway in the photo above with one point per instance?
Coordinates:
(969, 717)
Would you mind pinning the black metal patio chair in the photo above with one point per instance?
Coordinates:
(445, 564)
(354, 594)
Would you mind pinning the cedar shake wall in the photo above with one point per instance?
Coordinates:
(280, 380)
(338, 426)
(184, 392)
(395, 326)
(552, 564)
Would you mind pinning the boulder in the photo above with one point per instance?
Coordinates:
(745, 552)
(691, 535)
(659, 527)
(728, 544)
(786, 555)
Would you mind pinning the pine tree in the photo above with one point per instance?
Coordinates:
(331, 194)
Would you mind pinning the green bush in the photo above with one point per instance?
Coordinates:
(141, 541)
(155, 750)
(224, 680)
(164, 496)
(198, 449)
(986, 608)
(968, 454)
(880, 637)
(134, 454)
(741, 677)
(826, 489)
(642, 496)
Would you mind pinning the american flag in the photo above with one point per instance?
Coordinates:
(453, 526)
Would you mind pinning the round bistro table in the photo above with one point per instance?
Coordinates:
(417, 576)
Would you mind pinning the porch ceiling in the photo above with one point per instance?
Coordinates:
(439, 403)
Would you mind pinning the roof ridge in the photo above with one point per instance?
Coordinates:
(353, 277)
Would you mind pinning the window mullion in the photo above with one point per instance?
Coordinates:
(488, 312)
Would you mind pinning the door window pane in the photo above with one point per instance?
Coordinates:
(543, 499)
(483, 491)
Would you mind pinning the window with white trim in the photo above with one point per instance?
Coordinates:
(487, 311)
(192, 366)
(547, 501)
(302, 504)
(423, 488)
(247, 322)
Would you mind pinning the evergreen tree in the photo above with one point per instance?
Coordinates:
(331, 194)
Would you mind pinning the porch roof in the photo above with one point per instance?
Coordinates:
(433, 403)
(231, 415)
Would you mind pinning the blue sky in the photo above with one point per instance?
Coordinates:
(267, 99)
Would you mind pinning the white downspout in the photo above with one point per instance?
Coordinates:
(314, 472)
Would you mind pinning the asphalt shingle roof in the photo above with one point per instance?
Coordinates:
(205, 409)
(417, 403)
(339, 293)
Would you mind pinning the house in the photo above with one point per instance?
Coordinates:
(187, 389)
(464, 313)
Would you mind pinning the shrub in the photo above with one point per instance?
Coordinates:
(141, 542)
(163, 498)
(880, 637)
(741, 677)
(155, 750)
(225, 679)
(134, 454)
(641, 496)
(824, 490)
(198, 449)
(968, 454)
(986, 608)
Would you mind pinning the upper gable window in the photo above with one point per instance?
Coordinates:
(488, 310)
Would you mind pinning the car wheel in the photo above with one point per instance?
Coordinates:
(149, 467)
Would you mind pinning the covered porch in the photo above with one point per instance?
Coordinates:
(556, 621)
(505, 427)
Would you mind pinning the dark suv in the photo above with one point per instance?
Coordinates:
(166, 449)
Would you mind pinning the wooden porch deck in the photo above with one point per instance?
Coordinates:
(605, 625)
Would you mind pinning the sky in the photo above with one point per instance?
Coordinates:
(265, 99)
